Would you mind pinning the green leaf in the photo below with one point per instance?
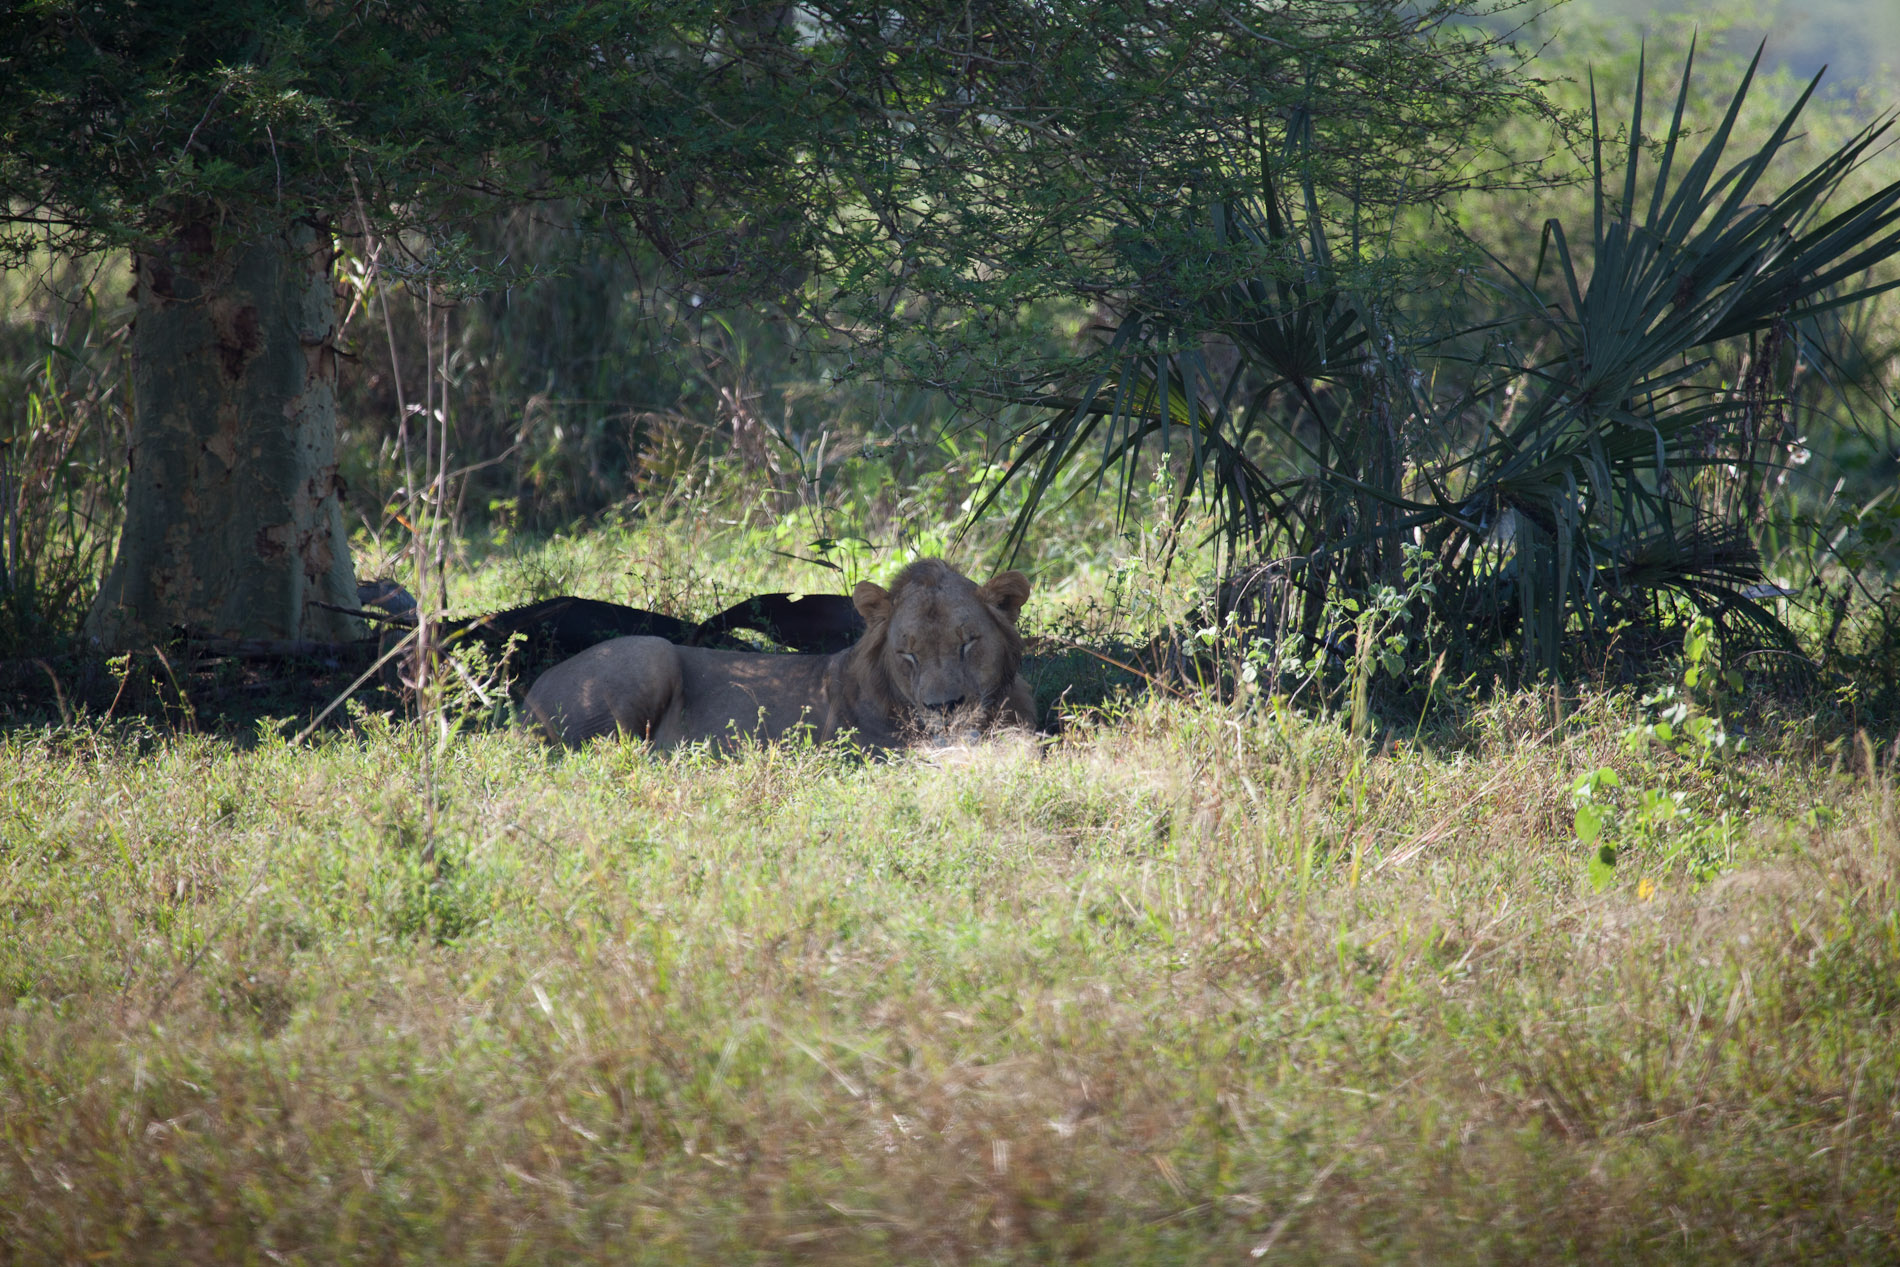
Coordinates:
(1602, 867)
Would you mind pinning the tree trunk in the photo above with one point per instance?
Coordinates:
(234, 509)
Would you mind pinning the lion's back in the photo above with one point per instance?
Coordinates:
(623, 685)
(649, 688)
(727, 694)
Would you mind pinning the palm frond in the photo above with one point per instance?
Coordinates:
(1622, 468)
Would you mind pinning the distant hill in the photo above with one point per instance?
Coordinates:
(1857, 40)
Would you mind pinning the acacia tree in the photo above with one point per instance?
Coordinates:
(920, 169)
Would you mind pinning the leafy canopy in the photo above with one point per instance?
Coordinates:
(123, 122)
(972, 157)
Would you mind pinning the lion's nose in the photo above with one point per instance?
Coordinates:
(944, 706)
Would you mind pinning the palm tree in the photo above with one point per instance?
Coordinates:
(1610, 475)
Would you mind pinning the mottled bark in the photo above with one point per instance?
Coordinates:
(234, 509)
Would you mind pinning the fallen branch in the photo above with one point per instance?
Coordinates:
(285, 649)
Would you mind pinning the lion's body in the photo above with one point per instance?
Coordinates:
(652, 689)
(939, 652)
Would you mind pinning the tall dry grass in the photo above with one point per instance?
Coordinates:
(1190, 985)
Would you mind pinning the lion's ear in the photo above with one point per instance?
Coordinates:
(872, 600)
(1007, 590)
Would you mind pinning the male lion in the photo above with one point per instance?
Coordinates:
(939, 656)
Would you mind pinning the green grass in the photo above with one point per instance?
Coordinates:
(1189, 984)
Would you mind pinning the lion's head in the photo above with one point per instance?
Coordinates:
(939, 647)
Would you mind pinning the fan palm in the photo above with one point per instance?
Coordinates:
(1557, 495)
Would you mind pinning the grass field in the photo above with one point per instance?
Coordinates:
(1191, 982)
